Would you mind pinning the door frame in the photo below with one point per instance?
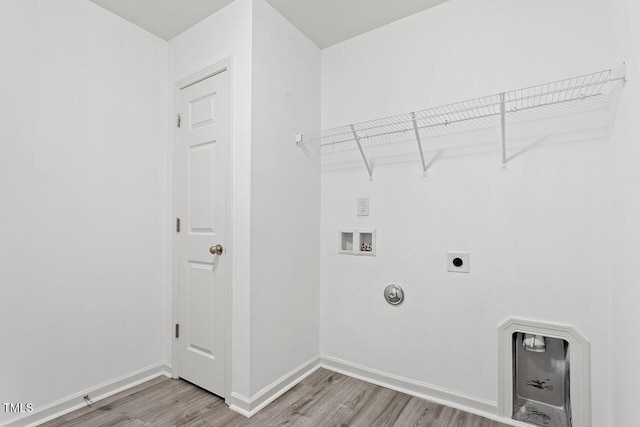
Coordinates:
(219, 67)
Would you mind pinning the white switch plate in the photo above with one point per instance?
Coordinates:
(458, 262)
(363, 206)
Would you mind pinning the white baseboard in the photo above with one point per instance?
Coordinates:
(250, 406)
(453, 399)
(76, 401)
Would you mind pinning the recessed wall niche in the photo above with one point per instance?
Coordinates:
(346, 242)
(357, 242)
(566, 346)
(541, 383)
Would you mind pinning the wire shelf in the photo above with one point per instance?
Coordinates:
(584, 90)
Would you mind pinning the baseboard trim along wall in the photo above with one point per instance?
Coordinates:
(453, 399)
(251, 406)
(76, 401)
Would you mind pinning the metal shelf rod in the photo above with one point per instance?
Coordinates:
(503, 126)
(341, 141)
(417, 131)
(575, 89)
(366, 163)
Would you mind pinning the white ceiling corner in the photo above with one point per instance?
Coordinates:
(325, 22)
(164, 18)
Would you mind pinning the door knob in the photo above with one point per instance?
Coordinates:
(216, 250)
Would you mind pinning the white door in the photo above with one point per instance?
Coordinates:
(201, 185)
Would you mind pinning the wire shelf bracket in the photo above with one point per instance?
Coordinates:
(503, 130)
(364, 158)
(416, 129)
(571, 90)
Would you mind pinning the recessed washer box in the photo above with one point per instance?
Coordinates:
(458, 262)
(347, 242)
(357, 242)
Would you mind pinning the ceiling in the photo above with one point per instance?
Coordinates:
(325, 22)
(164, 18)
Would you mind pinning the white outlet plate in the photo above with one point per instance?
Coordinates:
(454, 258)
(363, 206)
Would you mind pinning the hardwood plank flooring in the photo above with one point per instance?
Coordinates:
(323, 399)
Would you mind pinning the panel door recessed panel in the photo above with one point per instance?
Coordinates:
(201, 310)
(202, 111)
(202, 160)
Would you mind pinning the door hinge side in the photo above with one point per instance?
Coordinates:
(179, 120)
(177, 225)
(177, 330)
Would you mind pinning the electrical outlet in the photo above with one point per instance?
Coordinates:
(363, 206)
(458, 262)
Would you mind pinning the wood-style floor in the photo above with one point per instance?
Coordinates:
(324, 398)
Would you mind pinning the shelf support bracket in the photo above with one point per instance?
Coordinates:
(364, 158)
(503, 126)
(417, 132)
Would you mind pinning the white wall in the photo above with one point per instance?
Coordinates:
(82, 175)
(626, 223)
(285, 199)
(227, 34)
(538, 234)
(276, 202)
(84, 172)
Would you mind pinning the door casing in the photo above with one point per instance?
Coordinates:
(217, 68)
